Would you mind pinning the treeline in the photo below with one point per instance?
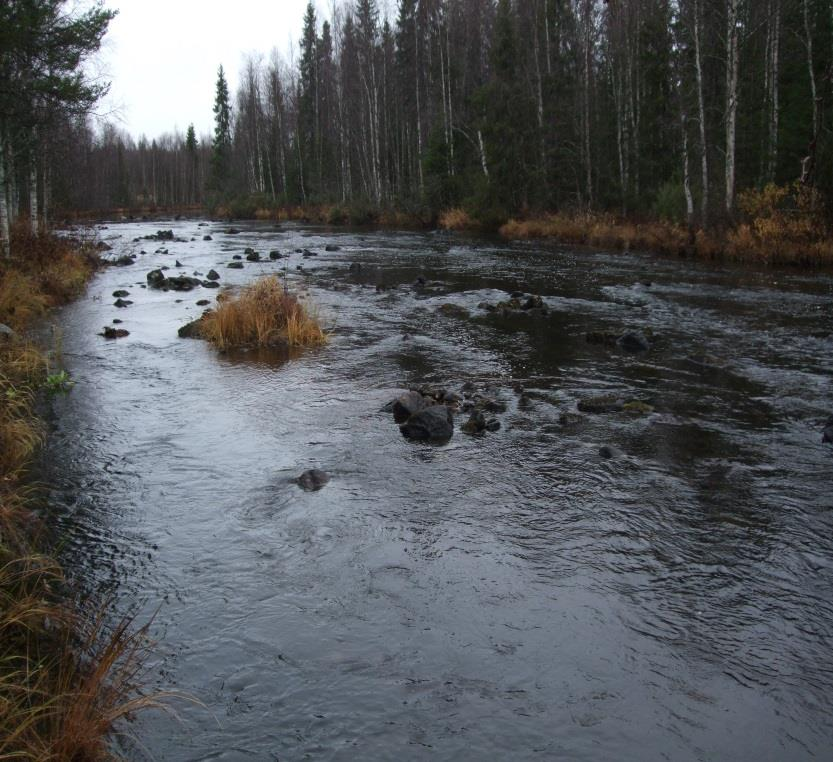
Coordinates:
(654, 108)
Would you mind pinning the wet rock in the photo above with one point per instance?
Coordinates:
(237, 257)
(634, 341)
(332, 247)
(192, 330)
(156, 279)
(207, 238)
(161, 235)
(203, 303)
(275, 255)
(116, 321)
(493, 425)
(431, 424)
(114, 333)
(534, 303)
(121, 293)
(177, 263)
(407, 405)
(101, 246)
(355, 268)
(232, 231)
(476, 424)
(609, 452)
(122, 303)
(251, 255)
(454, 310)
(124, 261)
(213, 275)
(182, 283)
(313, 480)
(827, 434)
(604, 338)
(308, 253)
(210, 284)
(235, 265)
(603, 404)
(636, 407)
(468, 389)
(491, 405)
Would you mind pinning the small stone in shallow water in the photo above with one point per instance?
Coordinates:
(120, 293)
(203, 303)
(235, 265)
(603, 404)
(114, 333)
(213, 275)
(122, 303)
(313, 480)
(609, 452)
(407, 405)
(637, 407)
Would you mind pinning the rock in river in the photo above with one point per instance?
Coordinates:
(156, 279)
(434, 424)
(313, 480)
(235, 265)
(827, 436)
(407, 405)
(605, 404)
(634, 341)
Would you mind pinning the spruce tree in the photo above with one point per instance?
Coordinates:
(221, 145)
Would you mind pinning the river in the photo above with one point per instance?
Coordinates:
(508, 596)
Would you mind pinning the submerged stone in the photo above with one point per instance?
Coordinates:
(313, 480)
(432, 424)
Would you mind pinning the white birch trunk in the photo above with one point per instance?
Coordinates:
(808, 41)
(732, 67)
(701, 113)
(5, 238)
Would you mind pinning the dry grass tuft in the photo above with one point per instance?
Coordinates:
(263, 314)
(456, 219)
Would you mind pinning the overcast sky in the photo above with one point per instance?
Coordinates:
(162, 56)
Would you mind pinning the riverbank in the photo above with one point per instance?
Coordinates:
(63, 674)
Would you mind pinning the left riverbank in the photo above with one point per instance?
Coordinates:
(65, 673)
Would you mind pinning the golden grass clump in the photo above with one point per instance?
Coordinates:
(456, 219)
(263, 314)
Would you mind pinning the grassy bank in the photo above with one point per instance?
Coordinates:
(778, 225)
(64, 678)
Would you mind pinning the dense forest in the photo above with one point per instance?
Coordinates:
(649, 108)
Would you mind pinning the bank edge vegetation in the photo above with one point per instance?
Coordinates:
(549, 111)
(67, 674)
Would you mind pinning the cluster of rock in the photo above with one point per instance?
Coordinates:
(157, 279)
(519, 303)
(428, 414)
(630, 341)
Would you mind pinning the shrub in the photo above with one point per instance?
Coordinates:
(263, 314)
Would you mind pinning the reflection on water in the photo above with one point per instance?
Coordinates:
(511, 596)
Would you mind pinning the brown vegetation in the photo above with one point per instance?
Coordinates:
(780, 225)
(263, 314)
(63, 679)
(456, 219)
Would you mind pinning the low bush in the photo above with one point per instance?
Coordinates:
(263, 314)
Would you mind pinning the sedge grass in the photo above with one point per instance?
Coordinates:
(263, 314)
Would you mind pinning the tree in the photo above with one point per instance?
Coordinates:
(221, 145)
(43, 46)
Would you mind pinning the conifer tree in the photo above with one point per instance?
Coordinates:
(221, 146)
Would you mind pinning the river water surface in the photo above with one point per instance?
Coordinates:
(512, 596)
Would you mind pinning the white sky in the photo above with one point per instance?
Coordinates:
(162, 56)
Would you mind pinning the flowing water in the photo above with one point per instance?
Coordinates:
(509, 596)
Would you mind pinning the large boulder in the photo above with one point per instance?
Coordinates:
(431, 424)
(407, 405)
(313, 480)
